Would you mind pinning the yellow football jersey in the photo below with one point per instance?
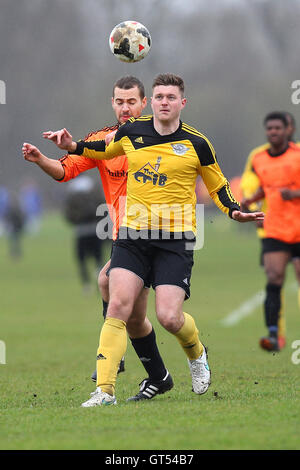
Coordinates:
(162, 173)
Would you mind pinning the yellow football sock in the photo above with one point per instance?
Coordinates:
(188, 338)
(112, 347)
(281, 318)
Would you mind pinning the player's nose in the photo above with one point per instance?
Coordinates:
(125, 107)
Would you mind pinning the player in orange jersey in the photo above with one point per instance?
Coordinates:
(249, 185)
(278, 170)
(128, 101)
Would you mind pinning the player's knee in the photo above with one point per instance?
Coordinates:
(169, 320)
(275, 277)
(119, 308)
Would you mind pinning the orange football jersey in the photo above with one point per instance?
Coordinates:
(282, 219)
(113, 175)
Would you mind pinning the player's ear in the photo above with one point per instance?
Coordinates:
(151, 103)
(144, 102)
(183, 102)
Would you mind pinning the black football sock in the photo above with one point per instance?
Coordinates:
(272, 307)
(105, 305)
(147, 351)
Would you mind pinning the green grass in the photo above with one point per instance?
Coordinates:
(51, 333)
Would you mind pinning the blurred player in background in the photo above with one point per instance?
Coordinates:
(14, 218)
(276, 166)
(4, 202)
(82, 198)
(249, 185)
(128, 101)
(165, 156)
(32, 206)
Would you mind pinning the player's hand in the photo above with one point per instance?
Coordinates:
(248, 217)
(286, 194)
(31, 153)
(109, 137)
(61, 138)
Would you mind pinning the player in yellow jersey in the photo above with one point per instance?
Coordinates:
(157, 235)
(249, 185)
(128, 100)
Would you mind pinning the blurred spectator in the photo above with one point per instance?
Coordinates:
(82, 200)
(14, 220)
(31, 203)
(4, 201)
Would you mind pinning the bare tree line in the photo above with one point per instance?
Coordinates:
(238, 63)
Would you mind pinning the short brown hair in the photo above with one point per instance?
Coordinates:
(167, 79)
(125, 83)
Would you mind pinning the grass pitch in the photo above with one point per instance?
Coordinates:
(51, 334)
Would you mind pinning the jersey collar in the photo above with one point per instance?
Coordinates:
(167, 136)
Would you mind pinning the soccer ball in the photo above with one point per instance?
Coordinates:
(130, 41)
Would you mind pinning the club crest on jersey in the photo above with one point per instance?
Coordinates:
(179, 149)
(157, 164)
(148, 173)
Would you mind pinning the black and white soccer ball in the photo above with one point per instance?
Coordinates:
(130, 41)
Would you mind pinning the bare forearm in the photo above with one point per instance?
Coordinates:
(257, 196)
(289, 194)
(52, 167)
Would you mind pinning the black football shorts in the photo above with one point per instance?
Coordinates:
(160, 262)
(147, 281)
(272, 244)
